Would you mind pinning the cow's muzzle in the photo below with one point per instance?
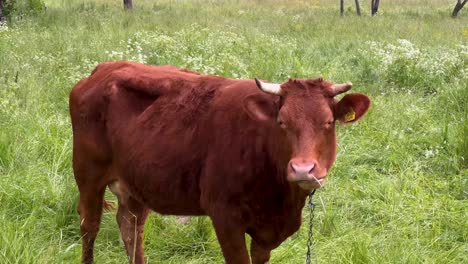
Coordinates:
(306, 174)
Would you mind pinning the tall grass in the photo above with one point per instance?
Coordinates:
(397, 193)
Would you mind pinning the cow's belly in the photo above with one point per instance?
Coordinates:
(161, 193)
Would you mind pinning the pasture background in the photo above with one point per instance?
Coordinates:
(398, 190)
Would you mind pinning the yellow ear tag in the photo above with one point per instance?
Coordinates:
(350, 116)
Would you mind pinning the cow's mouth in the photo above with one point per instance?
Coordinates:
(311, 184)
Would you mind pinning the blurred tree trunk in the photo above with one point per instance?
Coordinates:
(458, 7)
(358, 8)
(342, 7)
(128, 4)
(2, 13)
(375, 7)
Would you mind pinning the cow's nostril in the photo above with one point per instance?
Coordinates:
(312, 168)
(293, 169)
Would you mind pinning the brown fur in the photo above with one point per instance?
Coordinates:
(181, 143)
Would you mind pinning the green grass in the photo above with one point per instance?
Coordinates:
(397, 193)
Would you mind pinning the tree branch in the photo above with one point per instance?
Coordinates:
(458, 7)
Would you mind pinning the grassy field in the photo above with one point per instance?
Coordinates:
(397, 193)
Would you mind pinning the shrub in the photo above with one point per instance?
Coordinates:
(23, 7)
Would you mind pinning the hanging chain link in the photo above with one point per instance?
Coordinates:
(311, 225)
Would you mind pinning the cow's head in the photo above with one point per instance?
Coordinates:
(306, 112)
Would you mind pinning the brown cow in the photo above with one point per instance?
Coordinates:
(181, 143)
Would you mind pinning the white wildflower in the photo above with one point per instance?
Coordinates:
(3, 27)
(428, 153)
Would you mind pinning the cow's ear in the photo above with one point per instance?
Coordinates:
(260, 107)
(351, 107)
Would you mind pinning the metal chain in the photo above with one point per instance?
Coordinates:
(311, 225)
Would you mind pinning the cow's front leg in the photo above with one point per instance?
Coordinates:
(260, 255)
(231, 237)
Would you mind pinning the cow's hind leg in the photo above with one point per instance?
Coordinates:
(131, 217)
(90, 210)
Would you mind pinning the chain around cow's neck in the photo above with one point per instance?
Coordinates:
(311, 218)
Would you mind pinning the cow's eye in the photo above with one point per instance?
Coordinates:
(281, 124)
(329, 124)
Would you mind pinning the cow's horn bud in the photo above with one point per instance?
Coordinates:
(271, 88)
(341, 88)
